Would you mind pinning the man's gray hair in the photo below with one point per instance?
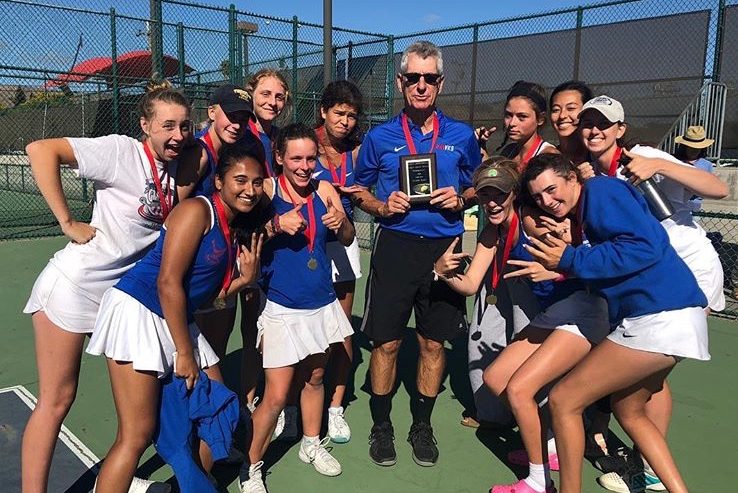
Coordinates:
(423, 49)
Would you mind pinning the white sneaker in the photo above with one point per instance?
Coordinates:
(139, 485)
(316, 454)
(255, 484)
(338, 428)
(286, 429)
(251, 406)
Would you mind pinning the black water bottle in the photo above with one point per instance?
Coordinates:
(657, 202)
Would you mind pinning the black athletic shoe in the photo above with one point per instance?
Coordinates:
(425, 452)
(382, 445)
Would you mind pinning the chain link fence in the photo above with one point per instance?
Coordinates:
(653, 56)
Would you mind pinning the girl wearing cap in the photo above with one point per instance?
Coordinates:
(302, 316)
(653, 300)
(571, 322)
(692, 148)
(229, 114)
(525, 114)
(135, 192)
(146, 326)
(602, 123)
(338, 147)
(270, 96)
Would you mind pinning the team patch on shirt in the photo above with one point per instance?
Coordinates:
(150, 208)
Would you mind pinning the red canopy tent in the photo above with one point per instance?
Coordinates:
(134, 66)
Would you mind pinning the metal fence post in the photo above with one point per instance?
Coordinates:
(349, 59)
(718, 41)
(473, 88)
(114, 73)
(156, 40)
(181, 53)
(578, 42)
(390, 79)
(295, 25)
(232, 44)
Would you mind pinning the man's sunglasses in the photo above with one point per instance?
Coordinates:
(412, 78)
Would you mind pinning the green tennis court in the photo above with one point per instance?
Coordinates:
(703, 434)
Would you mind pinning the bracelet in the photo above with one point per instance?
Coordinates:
(462, 201)
(436, 275)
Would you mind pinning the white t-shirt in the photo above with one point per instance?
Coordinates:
(687, 237)
(127, 213)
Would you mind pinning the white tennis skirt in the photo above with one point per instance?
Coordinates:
(345, 260)
(581, 313)
(681, 333)
(289, 335)
(126, 330)
(708, 271)
(62, 301)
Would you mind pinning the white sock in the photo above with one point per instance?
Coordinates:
(306, 440)
(539, 475)
(335, 410)
(551, 446)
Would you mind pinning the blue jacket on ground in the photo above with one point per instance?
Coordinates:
(630, 260)
(210, 411)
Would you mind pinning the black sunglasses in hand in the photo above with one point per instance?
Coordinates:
(412, 78)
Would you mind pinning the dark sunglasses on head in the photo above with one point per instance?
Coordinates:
(412, 78)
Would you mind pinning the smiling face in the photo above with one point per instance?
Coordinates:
(498, 205)
(298, 161)
(599, 134)
(555, 194)
(242, 185)
(167, 129)
(521, 121)
(269, 98)
(229, 127)
(420, 96)
(340, 120)
(565, 108)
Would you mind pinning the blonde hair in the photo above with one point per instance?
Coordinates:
(266, 73)
(160, 90)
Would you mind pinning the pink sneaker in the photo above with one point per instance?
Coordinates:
(519, 487)
(520, 458)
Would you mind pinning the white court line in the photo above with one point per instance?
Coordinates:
(85, 455)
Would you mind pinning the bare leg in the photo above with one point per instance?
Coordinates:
(629, 407)
(431, 365)
(383, 367)
(497, 375)
(558, 354)
(312, 369)
(58, 355)
(659, 407)
(264, 419)
(136, 395)
(341, 354)
(606, 369)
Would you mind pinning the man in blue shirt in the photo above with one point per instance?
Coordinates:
(409, 240)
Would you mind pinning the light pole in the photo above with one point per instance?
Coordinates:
(246, 28)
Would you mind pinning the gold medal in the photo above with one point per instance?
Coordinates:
(491, 299)
(312, 263)
(219, 303)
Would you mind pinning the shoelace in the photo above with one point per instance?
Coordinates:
(382, 435)
(255, 471)
(319, 450)
(423, 434)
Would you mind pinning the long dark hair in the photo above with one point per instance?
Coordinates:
(572, 85)
(534, 93)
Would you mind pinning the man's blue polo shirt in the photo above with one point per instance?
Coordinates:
(457, 156)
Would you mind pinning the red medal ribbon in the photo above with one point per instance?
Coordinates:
(165, 201)
(409, 138)
(577, 230)
(334, 174)
(310, 231)
(209, 142)
(223, 223)
(531, 152)
(615, 161)
(255, 132)
(506, 252)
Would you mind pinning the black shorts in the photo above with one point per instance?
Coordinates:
(400, 279)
